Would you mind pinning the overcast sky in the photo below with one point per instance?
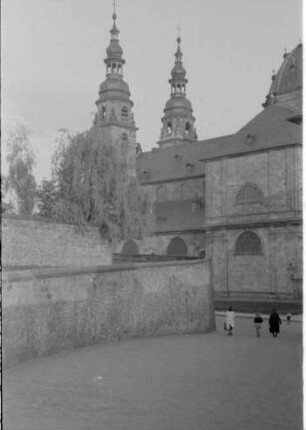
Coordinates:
(53, 51)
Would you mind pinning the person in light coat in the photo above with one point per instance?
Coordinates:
(230, 320)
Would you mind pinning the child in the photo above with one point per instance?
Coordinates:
(288, 316)
(257, 322)
(230, 320)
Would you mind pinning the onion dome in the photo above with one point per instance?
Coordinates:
(288, 80)
(177, 103)
(114, 50)
(178, 121)
(178, 71)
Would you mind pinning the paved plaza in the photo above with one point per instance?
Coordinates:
(191, 382)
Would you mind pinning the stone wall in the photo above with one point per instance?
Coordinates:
(29, 242)
(277, 173)
(46, 311)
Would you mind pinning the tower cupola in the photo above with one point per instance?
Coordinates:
(178, 121)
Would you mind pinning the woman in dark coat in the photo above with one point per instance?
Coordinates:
(274, 322)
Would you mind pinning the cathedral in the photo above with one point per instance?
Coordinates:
(236, 199)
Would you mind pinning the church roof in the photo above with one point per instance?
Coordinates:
(270, 129)
(290, 74)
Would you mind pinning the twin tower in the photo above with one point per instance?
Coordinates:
(115, 115)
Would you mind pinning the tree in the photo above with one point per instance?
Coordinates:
(47, 197)
(93, 186)
(7, 206)
(21, 160)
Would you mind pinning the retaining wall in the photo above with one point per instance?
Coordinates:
(37, 242)
(50, 310)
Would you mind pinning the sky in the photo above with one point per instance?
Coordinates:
(53, 51)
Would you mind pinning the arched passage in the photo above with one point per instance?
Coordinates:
(177, 247)
(130, 247)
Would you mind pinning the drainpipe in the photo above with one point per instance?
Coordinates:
(227, 286)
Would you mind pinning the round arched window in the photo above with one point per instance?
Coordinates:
(249, 194)
(248, 243)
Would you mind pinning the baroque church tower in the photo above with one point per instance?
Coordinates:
(114, 105)
(178, 121)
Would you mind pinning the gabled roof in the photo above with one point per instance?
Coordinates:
(269, 129)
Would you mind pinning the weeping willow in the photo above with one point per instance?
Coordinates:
(93, 187)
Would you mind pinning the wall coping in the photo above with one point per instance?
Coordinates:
(60, 272)
(33, 218)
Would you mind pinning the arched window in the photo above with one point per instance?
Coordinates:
(103, 111)
(202, 254)
(124, 139)
(124, 112)
(169, 128)
(187, 127)
(177, 247)
(249, 194)
(161, 193)
(130, 247)
(248, 243)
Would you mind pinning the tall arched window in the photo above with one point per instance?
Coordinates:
(248, 243)
(145, 205)
(177, 247)
(248, 194)
(103, 111)
(124, 112)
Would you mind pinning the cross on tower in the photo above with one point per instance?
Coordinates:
(114, 5)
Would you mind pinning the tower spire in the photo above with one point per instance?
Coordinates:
(178, 122)
(114, 60)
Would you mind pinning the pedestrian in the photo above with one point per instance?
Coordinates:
(274, 322)
(257, 323)
(230, 320)
(288, 317)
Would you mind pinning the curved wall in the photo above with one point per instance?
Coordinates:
(50, 310)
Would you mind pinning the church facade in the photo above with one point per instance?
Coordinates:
(235, 199)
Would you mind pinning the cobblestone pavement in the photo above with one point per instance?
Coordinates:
(191, 382)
